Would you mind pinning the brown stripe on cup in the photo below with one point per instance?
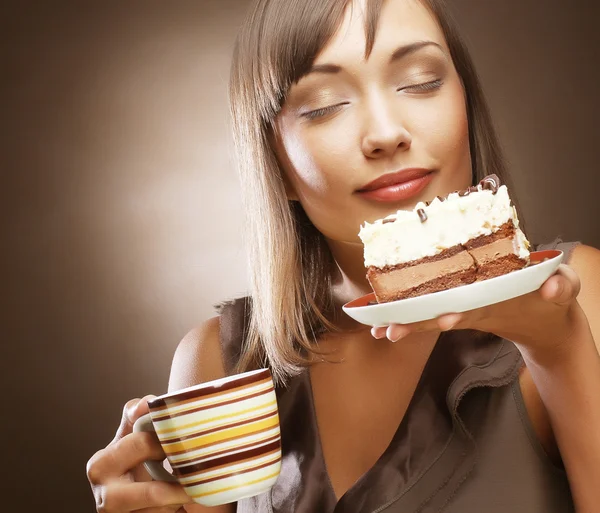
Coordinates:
(173, 400)
(237, 457)
(233, 473)
(210, 406)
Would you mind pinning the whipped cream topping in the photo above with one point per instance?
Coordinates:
(404, 236)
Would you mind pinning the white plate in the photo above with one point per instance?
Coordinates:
(458, 299)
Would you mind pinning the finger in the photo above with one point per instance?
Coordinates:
(122, 456)
(119, 496)
(169, 509)
(378, 332)
(422, 326)
(563, 287)
(140, 473)
(449, 321)
(132, 411)
(164, 509)
(395, 332)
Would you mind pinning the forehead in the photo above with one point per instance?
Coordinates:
(400, 21)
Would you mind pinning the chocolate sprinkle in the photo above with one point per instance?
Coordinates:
(422, 215)
(490, 183)
(386, 221)
(468, 191)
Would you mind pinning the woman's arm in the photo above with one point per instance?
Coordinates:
(558, 336)
(563, 392)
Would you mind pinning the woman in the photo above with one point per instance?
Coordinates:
(328, 95)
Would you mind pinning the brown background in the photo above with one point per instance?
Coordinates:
(120, 203)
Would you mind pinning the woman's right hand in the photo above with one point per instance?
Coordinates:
(118, 478)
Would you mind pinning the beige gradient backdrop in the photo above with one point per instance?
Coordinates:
(120, 222)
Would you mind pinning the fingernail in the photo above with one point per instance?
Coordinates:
(129, 412)
(560, 287)
(401, 332)
(374, 334)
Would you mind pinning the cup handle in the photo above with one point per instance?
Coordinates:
(154, 468)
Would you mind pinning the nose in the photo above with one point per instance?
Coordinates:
(384, 131)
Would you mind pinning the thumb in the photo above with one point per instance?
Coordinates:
(133, 410)
(561, 288)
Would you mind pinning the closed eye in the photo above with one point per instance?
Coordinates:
(423, 88)
(319, 113)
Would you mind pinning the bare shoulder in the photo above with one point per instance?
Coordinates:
(584, 256)
(585, 261)
(198, 356)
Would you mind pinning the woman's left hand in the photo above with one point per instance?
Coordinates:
(541, 322)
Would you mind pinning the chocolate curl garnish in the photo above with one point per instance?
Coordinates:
(490, 183)
(422, 215)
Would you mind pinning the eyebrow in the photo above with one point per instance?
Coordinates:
(398, 54)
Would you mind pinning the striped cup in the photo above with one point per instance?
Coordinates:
(221, 438)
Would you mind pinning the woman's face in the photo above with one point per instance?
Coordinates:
(400, 114)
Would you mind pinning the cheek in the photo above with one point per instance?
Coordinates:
(315, 164)
(449, 130)
(301, 165)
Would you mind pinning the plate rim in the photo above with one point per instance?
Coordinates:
(558, 255)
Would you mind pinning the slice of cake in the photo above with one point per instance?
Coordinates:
(468, 236)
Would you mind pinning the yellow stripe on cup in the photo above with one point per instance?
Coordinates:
(266, 460)
(213, 419)
(242, 485)
(222, 436)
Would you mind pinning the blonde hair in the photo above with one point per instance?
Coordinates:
(290, 264)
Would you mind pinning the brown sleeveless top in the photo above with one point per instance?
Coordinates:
(465, 444)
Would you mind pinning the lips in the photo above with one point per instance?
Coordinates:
(398, 186)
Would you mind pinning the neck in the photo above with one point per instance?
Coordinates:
(350, 282)
(349, 279)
